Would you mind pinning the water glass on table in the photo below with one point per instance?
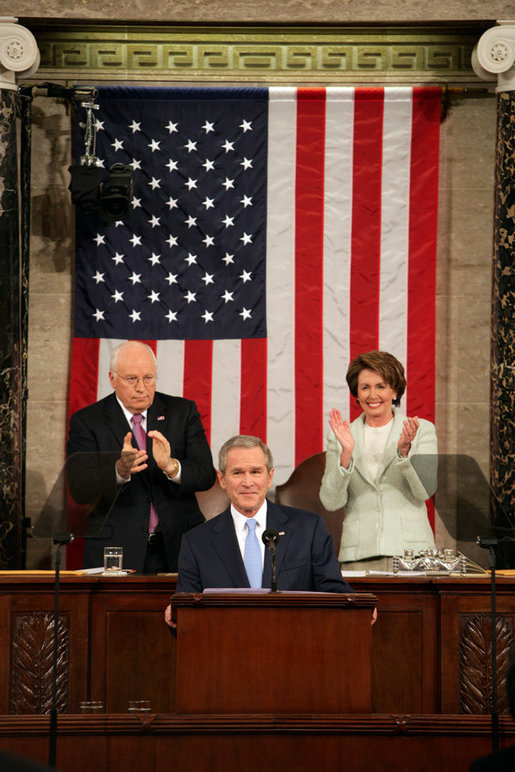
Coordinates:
(113, 561)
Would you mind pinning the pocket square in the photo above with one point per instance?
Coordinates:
(160, 418)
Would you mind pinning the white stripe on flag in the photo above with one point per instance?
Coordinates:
(337, 246)
(105, 349)
(280, 241)
(395, 222)
(225, 393)
(170, 367)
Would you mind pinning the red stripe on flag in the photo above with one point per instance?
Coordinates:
(253, 402)
(366, 224)
(84, 373)
(422, 252)
(83, 392)
(309, 231)
(198, 372)
(75, 553)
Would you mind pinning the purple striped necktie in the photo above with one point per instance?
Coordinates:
(141, 439)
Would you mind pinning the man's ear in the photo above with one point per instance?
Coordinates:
(220, 479)
(270, 477)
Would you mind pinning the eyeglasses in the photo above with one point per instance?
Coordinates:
(133, 380)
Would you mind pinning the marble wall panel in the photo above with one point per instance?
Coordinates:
(472, 358)
(446, 369)
(462, 376)
(50, 310)
(465, 233)
(470, 125)
(471, 239)
(46, 422)
(52, 217)
(473, 419)
(49, 348)
(286, 11)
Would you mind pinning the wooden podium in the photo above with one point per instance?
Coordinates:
(262, 652)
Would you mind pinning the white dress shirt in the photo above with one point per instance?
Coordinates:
(374, 443)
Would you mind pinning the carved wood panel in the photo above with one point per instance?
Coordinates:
(32, 647)
(475, 663)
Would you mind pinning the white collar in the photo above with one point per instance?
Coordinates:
(127, 413)
(240, 520)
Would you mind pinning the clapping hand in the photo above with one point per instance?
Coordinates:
(160, 449)
(344, 436)
(409, 431)
(131, 460)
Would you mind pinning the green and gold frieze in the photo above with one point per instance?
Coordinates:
(255, 53)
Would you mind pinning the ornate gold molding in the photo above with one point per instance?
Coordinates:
(255, 53)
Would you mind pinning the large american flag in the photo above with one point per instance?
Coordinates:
(274, 234)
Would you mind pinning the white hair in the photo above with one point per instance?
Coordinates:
(132, 343)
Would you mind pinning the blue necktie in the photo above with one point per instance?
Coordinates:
(252, 555)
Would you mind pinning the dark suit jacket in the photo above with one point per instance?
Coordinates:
(502, 761)
(305, 557)
(102, 427)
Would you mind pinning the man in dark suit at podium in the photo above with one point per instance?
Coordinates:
(218, 554)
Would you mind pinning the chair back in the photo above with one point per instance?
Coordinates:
(212, 502)
(301, 490)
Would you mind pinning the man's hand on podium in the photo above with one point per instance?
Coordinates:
(168, 616)
(170, 623)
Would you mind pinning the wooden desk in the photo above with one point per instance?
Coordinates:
(429, 631)
(154, 743)
(115, 646)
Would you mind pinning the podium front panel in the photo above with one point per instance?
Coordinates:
(274, 653)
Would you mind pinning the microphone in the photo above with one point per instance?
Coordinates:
(270, 539)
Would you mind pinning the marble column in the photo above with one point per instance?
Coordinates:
(18, 56)
(494, 57)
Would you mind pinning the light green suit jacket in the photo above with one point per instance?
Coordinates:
(387, 515)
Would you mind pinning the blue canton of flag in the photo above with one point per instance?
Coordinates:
(189, 262)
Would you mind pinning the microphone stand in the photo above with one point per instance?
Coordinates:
(274, 568)
(59, 540)
(270, 539)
